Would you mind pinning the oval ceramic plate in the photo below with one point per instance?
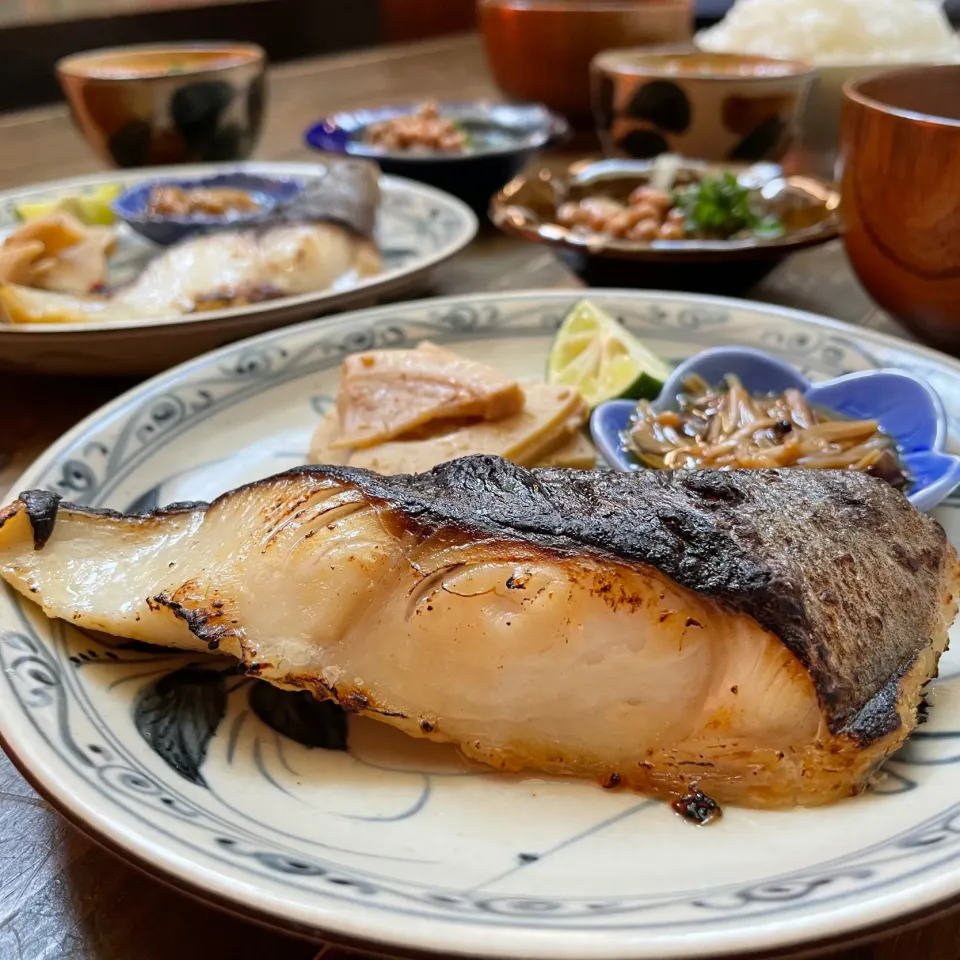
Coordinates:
(260, 803)
(418, 227)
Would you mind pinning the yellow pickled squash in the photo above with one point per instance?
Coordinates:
(92, 209)
(602, 359)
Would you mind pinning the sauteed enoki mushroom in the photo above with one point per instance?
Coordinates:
(726, 427)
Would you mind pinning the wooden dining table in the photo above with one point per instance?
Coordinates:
(62, 895)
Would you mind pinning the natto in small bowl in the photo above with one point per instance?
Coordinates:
(908, 410)
(503, 139)
(267, 192)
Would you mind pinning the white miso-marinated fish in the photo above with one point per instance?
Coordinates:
(762, 636)
(322, 238)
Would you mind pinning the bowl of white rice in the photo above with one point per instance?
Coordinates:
(843, 39)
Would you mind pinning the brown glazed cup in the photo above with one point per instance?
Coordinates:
(540, 50)
(900, 195)
(708, 106)
(167, 103)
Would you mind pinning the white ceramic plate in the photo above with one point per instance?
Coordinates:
(202, 777)
(418, 227)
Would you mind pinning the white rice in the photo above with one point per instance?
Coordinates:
(826, 32)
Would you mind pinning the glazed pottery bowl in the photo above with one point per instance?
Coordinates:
(540, 50)
(900, 213)
(713, 106)
(503, 139)
(907, 408)
(167, 103)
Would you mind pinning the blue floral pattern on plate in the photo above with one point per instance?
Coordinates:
(906, 407)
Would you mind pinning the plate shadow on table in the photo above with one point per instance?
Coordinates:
(721, 277)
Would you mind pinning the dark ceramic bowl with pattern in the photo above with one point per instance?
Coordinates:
(501, 138)
(133, 206)
(148, 105)
(713, 106)
(530, 206)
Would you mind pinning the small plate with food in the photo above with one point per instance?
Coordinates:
(669, 220)
(340, 627)
(169, 210)
(127, 273)
(470, 149)
(740, 408)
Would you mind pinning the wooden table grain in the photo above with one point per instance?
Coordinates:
(62, 896)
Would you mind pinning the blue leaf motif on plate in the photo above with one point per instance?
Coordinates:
(300, 716)
(178, 716)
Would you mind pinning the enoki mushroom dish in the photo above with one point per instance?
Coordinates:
(726, 427)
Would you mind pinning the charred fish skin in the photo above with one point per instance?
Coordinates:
(346, 192)
(486, 544)
(826, 560)
(810, 574)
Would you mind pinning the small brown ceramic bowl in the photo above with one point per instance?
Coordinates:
(900, 188)
(528, 207)
(540, 50)
(715, 106)
(167, 103)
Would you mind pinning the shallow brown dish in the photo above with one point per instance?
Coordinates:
(527, 207)
(901, 195)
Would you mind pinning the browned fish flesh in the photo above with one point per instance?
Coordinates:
(763, 636)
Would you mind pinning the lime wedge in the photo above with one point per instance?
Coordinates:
(602, 359)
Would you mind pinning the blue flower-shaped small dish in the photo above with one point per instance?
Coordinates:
(907, 409)
(504, 137)
(267, 192)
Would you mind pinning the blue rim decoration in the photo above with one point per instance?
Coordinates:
(517, 129)
(269, 192)
(906, 407)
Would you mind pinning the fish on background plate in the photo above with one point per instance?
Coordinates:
(321, 238)
(343, 239)
(760, 637)
(249, 794)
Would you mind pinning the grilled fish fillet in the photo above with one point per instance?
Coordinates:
(211, 271)
(763, 636)
(321, 238)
